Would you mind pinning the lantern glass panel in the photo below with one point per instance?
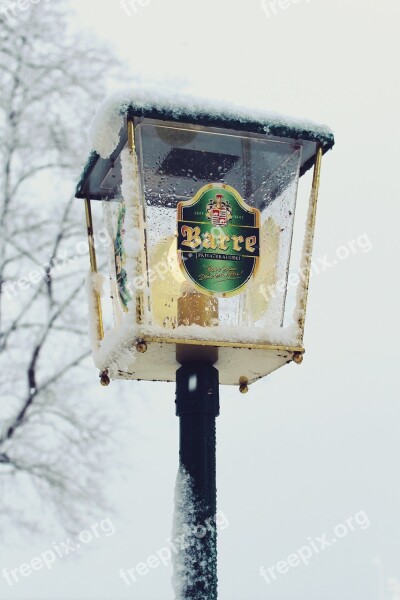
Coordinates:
(175, 163)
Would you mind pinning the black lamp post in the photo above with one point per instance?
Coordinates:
(199, 206)
(197, 406)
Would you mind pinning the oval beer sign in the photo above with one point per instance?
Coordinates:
(218, 240)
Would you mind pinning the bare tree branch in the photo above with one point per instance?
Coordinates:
(51, 444)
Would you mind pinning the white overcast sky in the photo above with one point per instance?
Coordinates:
(313, 445)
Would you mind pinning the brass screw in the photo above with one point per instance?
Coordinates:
(244, 385)
(104, 379)
(141, 347)
(298, 358)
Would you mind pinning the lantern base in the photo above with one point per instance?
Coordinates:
(235, 363)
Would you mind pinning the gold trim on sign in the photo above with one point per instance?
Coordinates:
(215, 186)
(93, 268)
(309, 239)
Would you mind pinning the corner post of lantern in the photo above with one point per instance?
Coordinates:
(93, 269)
(308, 246)
(139, 224)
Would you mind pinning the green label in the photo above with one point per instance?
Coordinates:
(218, 240)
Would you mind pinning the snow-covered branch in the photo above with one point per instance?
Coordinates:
(51, 444)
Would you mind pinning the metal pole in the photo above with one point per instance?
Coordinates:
(197, 406)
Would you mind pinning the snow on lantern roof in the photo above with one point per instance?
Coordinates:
(108, 130)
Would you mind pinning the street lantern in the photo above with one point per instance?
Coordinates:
(199, 221)
(199, 209)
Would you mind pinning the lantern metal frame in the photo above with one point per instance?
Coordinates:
(282, 353)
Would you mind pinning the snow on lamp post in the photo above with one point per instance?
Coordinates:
(199, 202)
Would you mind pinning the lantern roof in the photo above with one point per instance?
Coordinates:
(108, 133)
